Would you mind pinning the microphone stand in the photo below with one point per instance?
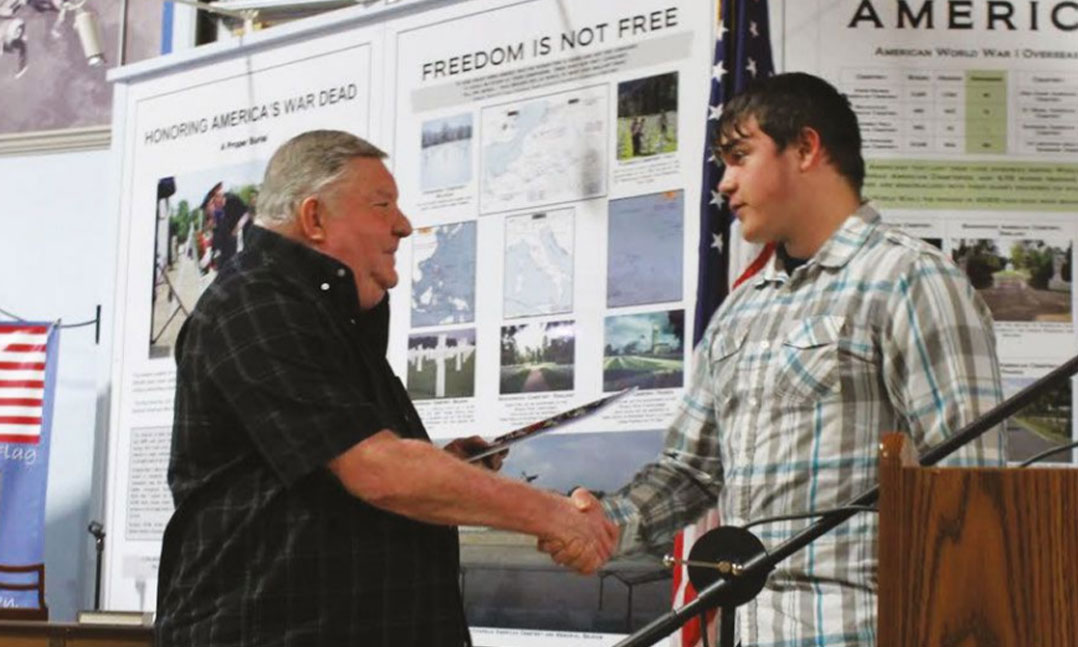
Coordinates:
(98, 531)
(759, 565)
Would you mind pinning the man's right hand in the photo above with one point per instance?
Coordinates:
(584, 538)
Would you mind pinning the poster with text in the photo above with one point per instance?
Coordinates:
(548, 156)
(969, 113)
(195, 143)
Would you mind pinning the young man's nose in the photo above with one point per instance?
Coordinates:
(727, 183)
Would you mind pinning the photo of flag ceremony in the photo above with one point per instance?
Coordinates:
(538, 323)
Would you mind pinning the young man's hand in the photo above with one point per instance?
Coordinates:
(590, 539)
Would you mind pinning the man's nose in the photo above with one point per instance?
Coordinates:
(727, 183)
(404, 226)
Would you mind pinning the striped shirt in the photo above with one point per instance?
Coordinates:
(795, 380)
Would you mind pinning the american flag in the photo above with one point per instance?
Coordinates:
(742, 54)
(22, 381)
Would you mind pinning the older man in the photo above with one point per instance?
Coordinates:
(311, 508)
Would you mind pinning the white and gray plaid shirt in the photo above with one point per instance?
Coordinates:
(794, 382)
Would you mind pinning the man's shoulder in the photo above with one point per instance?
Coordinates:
(893, 249)
(730, 307)
(242, 299)
(243, 284)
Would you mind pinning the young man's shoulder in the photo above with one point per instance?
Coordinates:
(906, 252)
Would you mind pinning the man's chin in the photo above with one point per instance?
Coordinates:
(752, 235)
(389, 281)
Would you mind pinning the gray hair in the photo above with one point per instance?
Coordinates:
(304, 166)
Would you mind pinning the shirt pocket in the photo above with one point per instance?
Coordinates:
(807, 366)
(726, 352)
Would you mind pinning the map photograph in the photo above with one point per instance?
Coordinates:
(538, 274)
(544, 150)
(645, 247)
(443, 274)
(1042, 424)
(647, 116)
(537, 357)
(446, 157)
(644, 350)
(441, 364)
(1020, 280)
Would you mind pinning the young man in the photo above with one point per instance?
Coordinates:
(311, 508)
(852, 330)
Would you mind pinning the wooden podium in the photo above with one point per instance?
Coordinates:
(976, 557)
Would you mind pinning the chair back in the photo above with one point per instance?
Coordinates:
(24, 578)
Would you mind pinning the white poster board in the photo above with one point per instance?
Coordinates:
(549, 156)
(969, 112)
(187, 130)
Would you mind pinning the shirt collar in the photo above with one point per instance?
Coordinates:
(313, 269)
(836, 250)
(323, 276)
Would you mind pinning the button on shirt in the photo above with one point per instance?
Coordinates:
(279, 372)
(794, 382)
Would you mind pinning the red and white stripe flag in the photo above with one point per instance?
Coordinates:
(22, 381)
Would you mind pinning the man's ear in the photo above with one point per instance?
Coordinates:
(311, 220)
(809, 150)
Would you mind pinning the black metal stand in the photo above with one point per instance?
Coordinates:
(723, 550)
(727, 616)
(758, 566)
(98, 531)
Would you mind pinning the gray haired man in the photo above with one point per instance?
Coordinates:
(311, 507)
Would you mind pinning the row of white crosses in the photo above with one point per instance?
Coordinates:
(439, 354)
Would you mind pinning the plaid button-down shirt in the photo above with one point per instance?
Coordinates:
(278, 373)
(794, 382)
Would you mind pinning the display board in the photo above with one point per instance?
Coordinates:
(548, 156)
(193, 138)
(969, 112)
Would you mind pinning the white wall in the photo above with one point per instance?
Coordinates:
(57, 248)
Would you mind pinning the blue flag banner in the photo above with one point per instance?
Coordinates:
(28, 354)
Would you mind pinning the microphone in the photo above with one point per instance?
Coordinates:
(96, 529)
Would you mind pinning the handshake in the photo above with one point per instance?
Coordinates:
(581, 538)
(573, 531)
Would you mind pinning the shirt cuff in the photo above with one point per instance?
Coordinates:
(625, 514)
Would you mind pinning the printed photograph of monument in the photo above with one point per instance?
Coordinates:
(644, 350)
(441, 364)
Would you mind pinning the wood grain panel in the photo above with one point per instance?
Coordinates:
(976, 557)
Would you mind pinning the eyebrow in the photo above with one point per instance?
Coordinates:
(729, 145)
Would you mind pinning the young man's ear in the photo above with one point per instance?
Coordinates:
(809, 150)
(311, 219)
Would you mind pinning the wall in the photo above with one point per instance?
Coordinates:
(57, 247)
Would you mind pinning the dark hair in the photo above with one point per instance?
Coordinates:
(784, 104)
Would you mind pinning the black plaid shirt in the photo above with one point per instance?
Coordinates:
(278, 373)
